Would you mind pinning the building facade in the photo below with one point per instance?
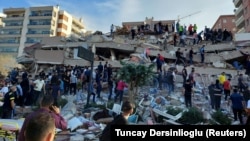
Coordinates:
(242, 15)
(226, 22)
(1, 19)
(26, 26)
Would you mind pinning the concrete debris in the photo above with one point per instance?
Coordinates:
(152, 101)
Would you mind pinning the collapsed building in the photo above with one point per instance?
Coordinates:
(112, 49)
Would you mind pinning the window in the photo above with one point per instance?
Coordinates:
(9, 49)
(33, 40)
(224, 20)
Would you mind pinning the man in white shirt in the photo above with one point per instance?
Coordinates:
(39, 89)
(4, 89)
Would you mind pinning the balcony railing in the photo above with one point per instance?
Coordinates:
(10, 42)
(237, 2)
(240, 22)
(37, 14)
(13, 24)
(239, 10)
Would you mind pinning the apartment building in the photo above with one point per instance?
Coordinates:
(226, 22)
(26, 26)
(242, 15)
(1, 19)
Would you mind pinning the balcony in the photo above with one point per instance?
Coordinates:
(9, 42)
(240, 22)
(242, 30)
(11, 18)
(239, 11)
(237, 2)
(14, 24)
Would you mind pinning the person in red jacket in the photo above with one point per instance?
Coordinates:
(120, 88)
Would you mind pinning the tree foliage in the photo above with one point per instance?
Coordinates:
(8, 62)
(136, 75)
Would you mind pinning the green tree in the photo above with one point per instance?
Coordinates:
(135, 75)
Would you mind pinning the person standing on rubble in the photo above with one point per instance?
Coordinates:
(227, 88)
(133, 33)
(170, 81)
(191, 55)
(111, 30)
(211, 94)
(202, 52)
(222, 78)
(159, 62)
(241, 83)
(179, 57)
(187, 92)
(184, 75)
(120, 89)
(217, 94)
(238, 105)
(110, 85)
(191, 77)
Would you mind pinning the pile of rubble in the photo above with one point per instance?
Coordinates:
(152, 102)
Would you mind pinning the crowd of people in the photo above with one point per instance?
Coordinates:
(19, 89)
(220, 90)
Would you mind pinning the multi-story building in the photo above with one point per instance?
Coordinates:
(1, 19)
(226, 22)
(242, 15)
(26, 26)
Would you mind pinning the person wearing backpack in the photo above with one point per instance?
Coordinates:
(202, 52)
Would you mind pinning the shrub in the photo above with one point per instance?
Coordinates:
(221, 118)
(192, 116)
(173, 111)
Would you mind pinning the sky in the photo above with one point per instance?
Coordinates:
(100, 14)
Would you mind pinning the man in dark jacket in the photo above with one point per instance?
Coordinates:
(121, 119)
(237, 104)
